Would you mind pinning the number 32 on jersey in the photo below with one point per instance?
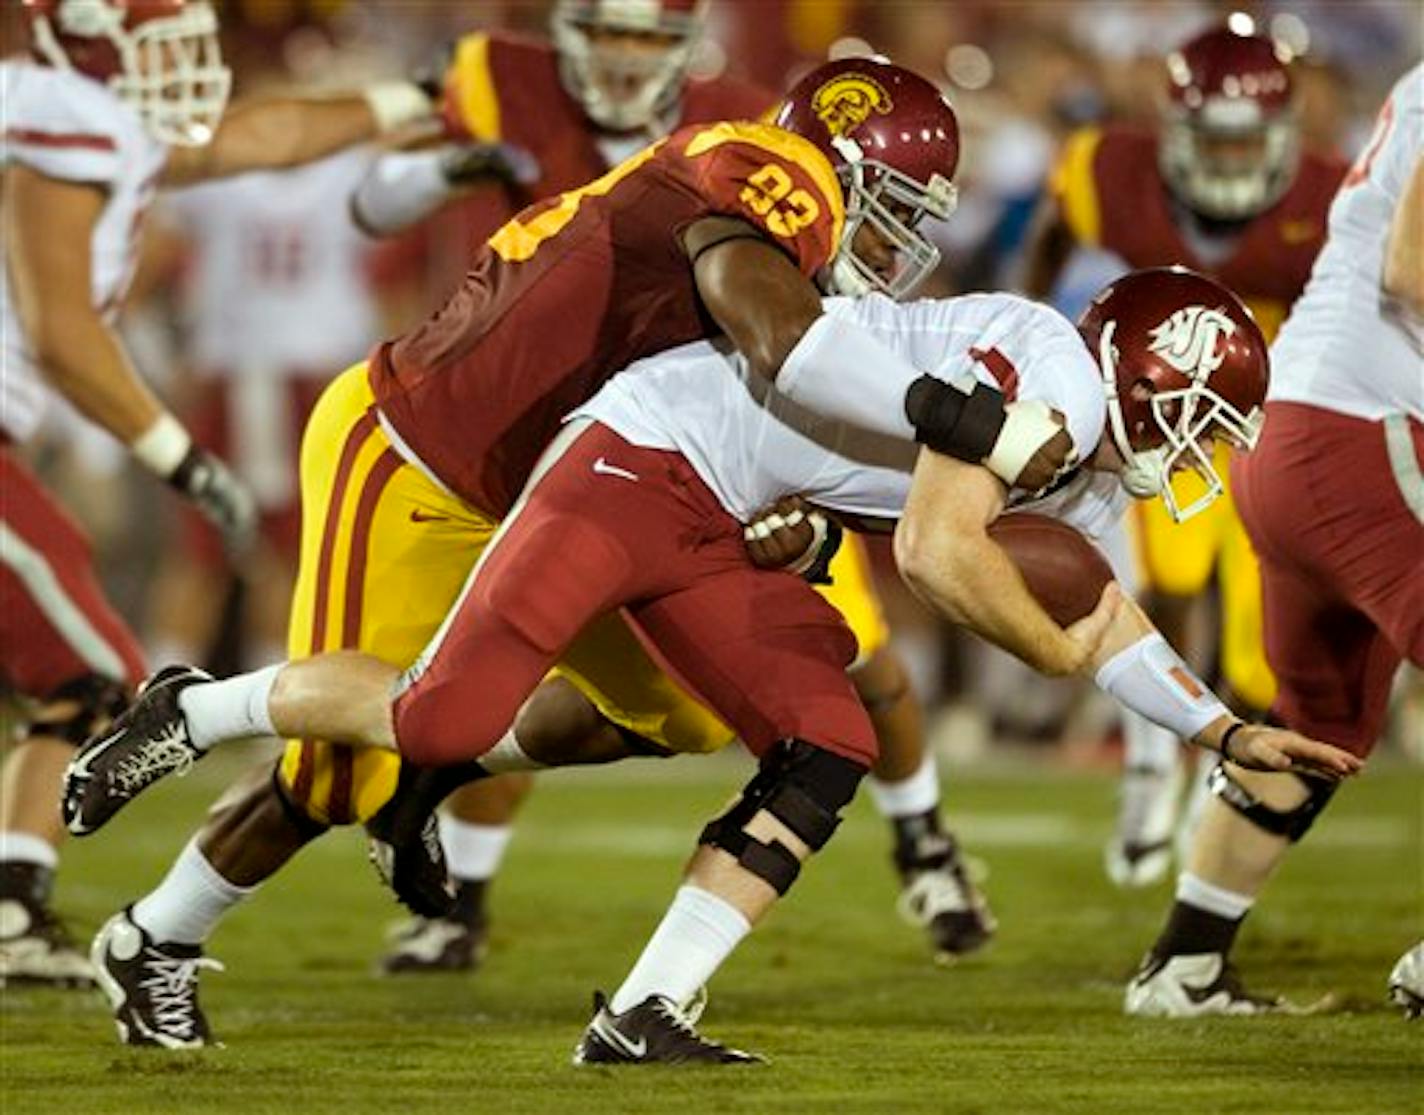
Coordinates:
(771, 195)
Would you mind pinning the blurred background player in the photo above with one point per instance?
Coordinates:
(613, 79)
(1333, 498)
(116, 100)
(1223, 187)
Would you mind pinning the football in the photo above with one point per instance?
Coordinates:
(1065, 572)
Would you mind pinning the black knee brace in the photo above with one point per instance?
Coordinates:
(802, 786)
(100, 699)
(1290, 823)
(302, 821)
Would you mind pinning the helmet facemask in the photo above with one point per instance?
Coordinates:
(1189, 419)
(651, 75)
(892, 205)
(171, 71)
(1229, 187)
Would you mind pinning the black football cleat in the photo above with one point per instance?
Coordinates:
(146, 742)
(939, 896)
(655, 1031)
(152, 986)
(412, 865)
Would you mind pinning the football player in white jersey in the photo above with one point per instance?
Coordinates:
(653, 479)
(118, 98)
(1333, 499)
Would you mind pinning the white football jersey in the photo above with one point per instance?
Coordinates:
(277, 279)
(751, 445)
(69, 127)
(1341, 348)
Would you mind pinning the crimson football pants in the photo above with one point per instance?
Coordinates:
(1327, 500)
(609, 525)
(56, 626)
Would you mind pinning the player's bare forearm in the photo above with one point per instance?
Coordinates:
(47, 231)
(947, 558)
(755, 294)
(273, 134)
(1404, 260)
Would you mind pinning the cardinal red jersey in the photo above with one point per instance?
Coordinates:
(506, 88)
(583, 284)
(1111, 195)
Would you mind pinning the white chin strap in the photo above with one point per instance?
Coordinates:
(1143, 474)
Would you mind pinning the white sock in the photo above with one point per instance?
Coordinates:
(507, 756)
(473, 851)
(910, 796)
(1148, 747)
(698, 932)
(235, 708)
(187, 906)
(1213, 899)
(26, 847)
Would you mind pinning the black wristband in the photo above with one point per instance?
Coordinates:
(183, 476)
(951, 422)
(819, 572)
(1226, 739)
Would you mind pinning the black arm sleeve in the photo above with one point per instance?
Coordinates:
(953, 423)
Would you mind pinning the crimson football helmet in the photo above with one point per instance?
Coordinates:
(1184, 365)
(625, 85)
(1230, 139)
(161, 57)
(894, 141)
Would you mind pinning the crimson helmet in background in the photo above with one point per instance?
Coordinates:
(624, 86)
(161, 57)
(1184, 365)
(1230, 138)
(894, 142)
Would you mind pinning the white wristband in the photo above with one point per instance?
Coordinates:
(162, 447)
(1149, 678)
(396, 103)
(1028, 427)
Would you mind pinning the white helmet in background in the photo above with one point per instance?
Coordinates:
(625, 61)
(161, 57)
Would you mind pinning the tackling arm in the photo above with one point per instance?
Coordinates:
(274, 133)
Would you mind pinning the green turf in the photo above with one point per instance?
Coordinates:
(833, 989)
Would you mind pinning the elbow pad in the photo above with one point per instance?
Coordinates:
(1152, 680)
(951, 422)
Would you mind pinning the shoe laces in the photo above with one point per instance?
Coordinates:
(166, 753)
(171, 984)
(678, 1019)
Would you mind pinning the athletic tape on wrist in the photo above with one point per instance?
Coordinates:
(1151, 679)
(162, 447)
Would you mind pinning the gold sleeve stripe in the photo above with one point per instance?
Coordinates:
(476, 96)
(1075, 186)
(783, 145)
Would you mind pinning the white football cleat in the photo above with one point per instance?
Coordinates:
(1140, 851)
(1197, 986)
(1406, 982)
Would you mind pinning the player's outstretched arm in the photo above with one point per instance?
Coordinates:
(273, 133)
(49, 225)
(773, 314)
(945, 554)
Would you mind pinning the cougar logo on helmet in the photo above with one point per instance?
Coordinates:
(1190, 340)
(847, 101)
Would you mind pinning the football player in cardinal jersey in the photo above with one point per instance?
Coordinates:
(118, 98)
(1333, 499)
(639, 504)
(1223, 188)
(411, 461)
(614, 80)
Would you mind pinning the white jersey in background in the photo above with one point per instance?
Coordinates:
(1341, 348)
(752, 445)
(276, 284)
(71, 128)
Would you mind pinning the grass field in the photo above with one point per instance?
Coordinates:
(834, 990)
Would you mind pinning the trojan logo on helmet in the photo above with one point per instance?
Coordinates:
(160, 57)
(1183, 364)
(893, 140)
